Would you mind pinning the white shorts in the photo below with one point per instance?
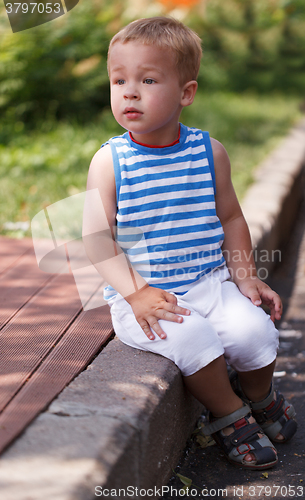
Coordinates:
(222, 321)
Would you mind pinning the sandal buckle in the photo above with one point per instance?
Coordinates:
(289, 412)
(246, 447)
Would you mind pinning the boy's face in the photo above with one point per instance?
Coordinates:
(146, 96)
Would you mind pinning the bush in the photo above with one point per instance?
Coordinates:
(253, 44)
(57, 69)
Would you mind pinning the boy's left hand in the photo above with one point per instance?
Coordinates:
(260, 293)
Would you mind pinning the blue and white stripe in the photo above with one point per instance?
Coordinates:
(166, 216)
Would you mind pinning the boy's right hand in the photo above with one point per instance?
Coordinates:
(151, 304)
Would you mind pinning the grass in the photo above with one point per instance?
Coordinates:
(248, 125)
(51, 163)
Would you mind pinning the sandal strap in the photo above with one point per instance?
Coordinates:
(276, 410)
(260, 405)
(243, 435)
(273, 414)
(223, 422)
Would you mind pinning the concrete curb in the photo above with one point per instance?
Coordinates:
(124, 421)
(272, 201)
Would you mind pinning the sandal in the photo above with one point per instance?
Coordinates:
(274, 415)
(245, 438)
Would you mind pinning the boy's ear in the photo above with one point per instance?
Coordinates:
(188, 93)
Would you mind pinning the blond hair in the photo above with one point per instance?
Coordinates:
(166, 32)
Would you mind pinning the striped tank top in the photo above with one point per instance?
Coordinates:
(166, 214)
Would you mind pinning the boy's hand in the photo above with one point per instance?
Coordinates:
(260, 293)
(151, 304)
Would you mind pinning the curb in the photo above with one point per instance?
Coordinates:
(121, 423)
(124, 421)
(272, 201)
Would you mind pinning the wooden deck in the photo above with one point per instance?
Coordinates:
(46, 338)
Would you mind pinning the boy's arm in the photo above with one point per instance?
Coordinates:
(99, 220)
(99, 226)
(237, 247)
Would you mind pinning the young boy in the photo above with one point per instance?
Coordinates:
(167, 191)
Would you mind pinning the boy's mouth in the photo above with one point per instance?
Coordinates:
(132, 113)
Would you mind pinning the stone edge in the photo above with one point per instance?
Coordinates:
(272, 201)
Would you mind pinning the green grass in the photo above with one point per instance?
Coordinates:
(249, 126)
(41, 167)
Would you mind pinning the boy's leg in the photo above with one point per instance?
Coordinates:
(250, 341)
(256, 383)
(269, 407)
(211, 386)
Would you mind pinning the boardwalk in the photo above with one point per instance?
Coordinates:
(46, 338)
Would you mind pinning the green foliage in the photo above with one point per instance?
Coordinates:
(253, 44)
(42, 167)
(57, 69)
(54, 98)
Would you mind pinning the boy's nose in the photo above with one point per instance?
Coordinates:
(131, 93)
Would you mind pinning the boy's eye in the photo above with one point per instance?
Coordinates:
(149, 81)
(120, 81)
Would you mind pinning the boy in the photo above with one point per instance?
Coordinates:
(167, 190)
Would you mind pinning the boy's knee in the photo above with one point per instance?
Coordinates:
(192, 344)
(257, 333)
(254, 346)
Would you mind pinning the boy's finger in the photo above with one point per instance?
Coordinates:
(278, 310)
(147, 330)
(152, 324)
(174, 308)
(273, 314)
(254, 296)
(157, 329)
(171, 298)
(274, 302)
(168, 316)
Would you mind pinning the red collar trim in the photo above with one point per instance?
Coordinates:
(150, 146)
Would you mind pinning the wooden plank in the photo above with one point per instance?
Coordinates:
(71, 355)
(30, 335)
(11, 249)
(46, 337)
(19, 283)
